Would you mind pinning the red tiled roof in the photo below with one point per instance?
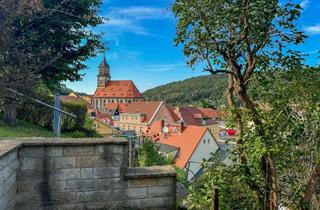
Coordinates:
(105, 118)
(118, 89)
(175, 115)
(148, 109)
(120, 106)
(66, 99)
(187, 141)
(211, 113)
(194, 115)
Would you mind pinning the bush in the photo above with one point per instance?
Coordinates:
(72, 124)
(149, 154)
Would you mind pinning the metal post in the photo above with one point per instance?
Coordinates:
(57, 116)
(130, 152)
(188, 170)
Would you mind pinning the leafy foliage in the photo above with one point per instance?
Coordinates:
(233, 192)
(44, 41)
(241, 38)
(191, 91)
(149, 154)
(290, 108)
(82, 126)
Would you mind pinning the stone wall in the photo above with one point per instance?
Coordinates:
(8, 173)
(82, 174)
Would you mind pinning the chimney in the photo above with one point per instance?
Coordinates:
(181, 127)
(161, 125)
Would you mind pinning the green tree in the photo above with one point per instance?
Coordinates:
(44, 40)
(290, 106)
(239, 38)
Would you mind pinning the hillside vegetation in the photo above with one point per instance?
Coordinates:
(191, 91)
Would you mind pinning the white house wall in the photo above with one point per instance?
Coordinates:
(202, 151)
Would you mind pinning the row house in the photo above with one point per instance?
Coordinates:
(138, 116)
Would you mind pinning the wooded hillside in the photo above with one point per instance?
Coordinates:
(191, 91)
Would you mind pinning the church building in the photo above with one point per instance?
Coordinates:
(113, 91)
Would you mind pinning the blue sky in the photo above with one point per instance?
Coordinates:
(140, 34)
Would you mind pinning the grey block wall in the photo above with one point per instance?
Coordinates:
(8, 187)
(82, 177)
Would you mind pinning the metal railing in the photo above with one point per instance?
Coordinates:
(57, 110)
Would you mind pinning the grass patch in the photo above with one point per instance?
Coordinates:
(23, 129)
(26, 129)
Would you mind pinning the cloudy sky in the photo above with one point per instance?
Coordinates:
(140, 35)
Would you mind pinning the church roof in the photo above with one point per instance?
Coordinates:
(118, 89)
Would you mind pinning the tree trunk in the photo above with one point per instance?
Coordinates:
(10, 114)
(271, 195)
(215, 199)
(311, 188)
(267, 164)
(242, 157)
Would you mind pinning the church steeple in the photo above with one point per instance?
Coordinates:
(104, 73)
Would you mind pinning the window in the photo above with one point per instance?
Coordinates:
(204, 141)
(208, 141)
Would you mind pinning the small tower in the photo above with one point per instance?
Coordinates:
(104, 73)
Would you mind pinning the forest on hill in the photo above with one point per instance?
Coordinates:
(204, 91)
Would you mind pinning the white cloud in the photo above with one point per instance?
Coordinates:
(130, 19)
(126, 25)
(163, 67)
(313, 30)
(304, 4)
(140, 12)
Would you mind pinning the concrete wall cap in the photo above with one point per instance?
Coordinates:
(9, 145)
(149, 172)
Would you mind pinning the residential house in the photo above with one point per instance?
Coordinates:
(188, 144)
(205, 117)
(103, 124)
(138, 116)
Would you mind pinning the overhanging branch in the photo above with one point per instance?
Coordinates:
(218, 71)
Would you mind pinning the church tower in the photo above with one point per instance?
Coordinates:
(104, 73)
